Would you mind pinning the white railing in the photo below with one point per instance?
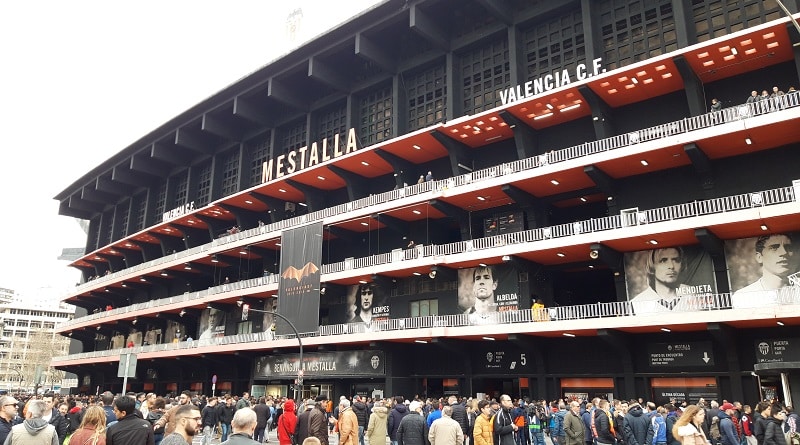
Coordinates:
(685, 125)
(709, 302)
(652, 216)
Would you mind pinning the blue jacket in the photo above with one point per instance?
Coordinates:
(659, 429)
(558, 423)
(587, 423)
(727, 430)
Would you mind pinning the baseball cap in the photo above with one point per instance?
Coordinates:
(727, 406)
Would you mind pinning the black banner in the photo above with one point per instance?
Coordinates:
(321, 364)
(778, 350)
(501, 359)
(298, 288)
(696, 353)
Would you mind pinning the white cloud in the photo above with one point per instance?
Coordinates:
(82, 80)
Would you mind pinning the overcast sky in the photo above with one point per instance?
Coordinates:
(80, 80)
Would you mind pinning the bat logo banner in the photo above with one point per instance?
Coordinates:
(298, 288)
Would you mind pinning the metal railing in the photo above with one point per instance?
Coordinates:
(642, 311)
(685, 125)
(652, 216)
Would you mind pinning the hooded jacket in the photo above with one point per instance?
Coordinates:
(774, 433)
(377, 426)
(360, 408)
(33, 431)
(398, 412)
(287, 423)
(636, 423)
(727, 430)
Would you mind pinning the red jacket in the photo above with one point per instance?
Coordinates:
(287, 423)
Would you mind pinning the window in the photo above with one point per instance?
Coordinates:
(424, 308)
(245, 327)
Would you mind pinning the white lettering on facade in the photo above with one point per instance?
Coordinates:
(550, 81)
(308, 156)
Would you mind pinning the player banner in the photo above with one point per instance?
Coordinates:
(298, 286)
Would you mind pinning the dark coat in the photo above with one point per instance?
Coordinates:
(460, 415)
(773, 435)
(302, 426)
(318, 424)
(412, 430)
(395, 416)
(603, 426)
(361, 413)
(636, 423)
(130, 429)
(504, 427)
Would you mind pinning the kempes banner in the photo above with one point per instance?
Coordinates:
(298, 287)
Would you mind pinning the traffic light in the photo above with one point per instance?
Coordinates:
(245, 311)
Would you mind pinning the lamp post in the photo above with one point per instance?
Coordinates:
(791, 17)
(296, 334)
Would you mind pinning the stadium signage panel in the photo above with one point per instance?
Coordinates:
(342, 363)
(306, 157)
(550, 81)
(177, 212)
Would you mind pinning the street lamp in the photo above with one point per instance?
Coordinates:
(791, 17)
(246, 308)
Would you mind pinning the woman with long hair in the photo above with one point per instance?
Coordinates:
(689, 427)
(93, 428)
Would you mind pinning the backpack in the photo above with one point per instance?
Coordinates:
(714, 430)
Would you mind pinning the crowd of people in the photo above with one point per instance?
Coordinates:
(146, 419)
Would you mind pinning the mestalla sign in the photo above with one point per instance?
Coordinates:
(321, 364)
(306, 157)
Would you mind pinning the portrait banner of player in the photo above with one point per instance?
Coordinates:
(212, 324)
(366, 303)
(487, 289)
(759, 268)
(670, 279)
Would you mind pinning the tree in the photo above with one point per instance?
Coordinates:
(42, 346)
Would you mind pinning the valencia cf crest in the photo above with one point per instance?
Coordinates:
(489, 357)
(375, 361)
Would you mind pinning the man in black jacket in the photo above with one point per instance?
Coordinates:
(413, 429)
(395, 416)
(130, 428)
(636, 424)
(360, 408)
(604, 425)
(459, 414)
(225, 410)
(504, 427)
(53, 417)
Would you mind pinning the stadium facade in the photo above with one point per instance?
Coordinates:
(403, 188)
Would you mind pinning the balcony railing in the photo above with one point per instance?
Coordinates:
(715, 302)
(685, 125)
(653, 216)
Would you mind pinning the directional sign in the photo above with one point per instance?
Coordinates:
(696, 353)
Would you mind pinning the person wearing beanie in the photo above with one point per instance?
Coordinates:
(412, 428)
(287, 423)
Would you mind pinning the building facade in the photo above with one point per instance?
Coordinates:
(29, 341)
(410, 183)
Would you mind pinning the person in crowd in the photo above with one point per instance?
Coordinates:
(504, 426)
(397, 413)
(130, 429)
(318, 420)
(412, 429)
(586, 417)
(482, 431)
(446, 431)
(727, 429)
(33, 429)
(689, 427)
(348, 424)
(484, 284)
(659, 425)
(8, 416)
(243, 424)
(378, 425)
(226, 412)
(716, 105)
(753, 98)
(157, 410)
(263, 414)
(92, 430)
(187, 424)
(459, 414)
(167, 421)
(302, 420)
(773, 434)
(360, 410)
(210, 417)
(287, 424)
(557, 422)
(604, 424)
(107, 399)
(429, 176)
(636, 424)
(573, 425)
(776, 255)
